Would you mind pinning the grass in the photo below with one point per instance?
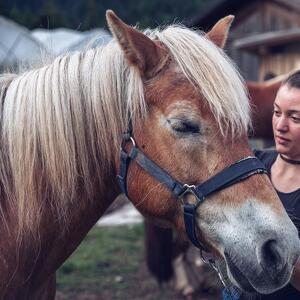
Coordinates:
(107, 260)
(109, 265)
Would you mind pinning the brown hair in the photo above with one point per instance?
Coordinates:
(293, 80)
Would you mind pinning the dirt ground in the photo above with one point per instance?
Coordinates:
(134, 284)
(145, 287)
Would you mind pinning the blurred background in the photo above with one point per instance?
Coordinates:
(87, 14)
(29, 28)
(264, 40)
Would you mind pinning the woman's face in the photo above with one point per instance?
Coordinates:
(286, 121)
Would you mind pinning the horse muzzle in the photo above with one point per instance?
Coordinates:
(262, 276)
(258, 258)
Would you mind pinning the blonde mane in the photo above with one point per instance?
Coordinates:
(63, 122)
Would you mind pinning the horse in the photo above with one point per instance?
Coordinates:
(262, 96)
(174, 103)
(166, 251)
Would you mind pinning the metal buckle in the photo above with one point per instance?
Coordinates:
(189, 189)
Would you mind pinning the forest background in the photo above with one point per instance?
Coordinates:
(88, 14)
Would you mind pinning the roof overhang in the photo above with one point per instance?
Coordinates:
(211, 11)
(262, 43)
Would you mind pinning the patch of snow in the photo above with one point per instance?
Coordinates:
(126, 215)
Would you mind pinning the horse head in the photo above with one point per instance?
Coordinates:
(196, 122)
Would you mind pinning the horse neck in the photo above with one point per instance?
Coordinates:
(63, 119)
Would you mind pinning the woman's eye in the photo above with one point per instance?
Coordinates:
(184, 126)
(276, 112)
(295, 119)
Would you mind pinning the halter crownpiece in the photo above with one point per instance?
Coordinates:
(240, 170)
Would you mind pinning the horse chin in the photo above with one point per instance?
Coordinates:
(233, 275)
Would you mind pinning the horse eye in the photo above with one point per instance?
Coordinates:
(184, 126)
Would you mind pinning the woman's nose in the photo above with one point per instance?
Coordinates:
(282, 124)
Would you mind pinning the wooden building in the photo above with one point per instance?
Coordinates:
(264, 38)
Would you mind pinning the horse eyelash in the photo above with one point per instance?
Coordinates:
(184, 126)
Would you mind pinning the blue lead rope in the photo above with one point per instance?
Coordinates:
(231, 294)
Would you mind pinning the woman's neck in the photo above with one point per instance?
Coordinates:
(288, 160)
(285, 176)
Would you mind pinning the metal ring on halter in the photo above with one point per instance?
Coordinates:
(125, 141)
(132, 141)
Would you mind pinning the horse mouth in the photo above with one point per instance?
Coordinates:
(247, 285)
(239, 276)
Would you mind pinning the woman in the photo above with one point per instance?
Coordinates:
(284, 167)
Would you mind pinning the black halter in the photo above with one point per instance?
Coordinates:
(233, 174)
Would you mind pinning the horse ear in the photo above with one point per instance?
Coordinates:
(139, 50)
(218, 34)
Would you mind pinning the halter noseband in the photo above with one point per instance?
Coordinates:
(240, 170)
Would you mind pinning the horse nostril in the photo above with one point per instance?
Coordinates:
(272, 258)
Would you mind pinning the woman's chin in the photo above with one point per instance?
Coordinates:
(282, 149)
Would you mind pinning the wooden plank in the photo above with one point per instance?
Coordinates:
(268, 39)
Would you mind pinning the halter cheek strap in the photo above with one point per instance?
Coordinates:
(148, 165)
(233, 174)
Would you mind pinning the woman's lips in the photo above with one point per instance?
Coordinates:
(281, 140)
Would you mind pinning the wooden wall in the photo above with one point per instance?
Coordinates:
(278, 64)
(261, 17)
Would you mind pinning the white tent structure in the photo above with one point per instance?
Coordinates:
(17, 46)
(93, 38)
(63, 40)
